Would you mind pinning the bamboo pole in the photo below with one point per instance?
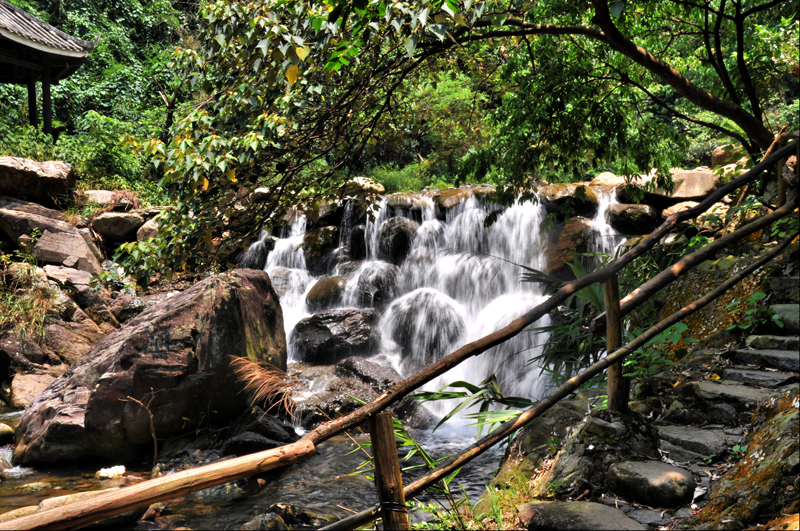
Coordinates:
(618, 386)
(571, 385)
(387, 472)
(79, 514)
(639, 295)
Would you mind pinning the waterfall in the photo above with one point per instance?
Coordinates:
(459, 281)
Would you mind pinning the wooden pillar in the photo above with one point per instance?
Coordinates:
(33, 107)
(387, 472)
(618, 386)
(781, 184)
(47, 103)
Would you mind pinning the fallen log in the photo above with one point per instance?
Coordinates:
(76, 515)
(448, 466)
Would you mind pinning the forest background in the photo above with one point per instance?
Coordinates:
(189, 104)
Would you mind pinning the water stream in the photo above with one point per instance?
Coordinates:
(459, 282)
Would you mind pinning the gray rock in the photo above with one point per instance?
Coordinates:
(109, 198)
(26, 387)
(645, 517)
(652, 483)
(148, 230)
(326, 292)
(379, 377)
(377, 284)
(174, 357)
(118, 226)
(791, 317)
(246, 443)
(35, 181)
(358, 242)
(19, 223)
(318, 247)
(295, 515)
(785, 289)
(694, 184)
(773, 343)
(759, 378)
(554, 516)
(6, 435)
(333, 335)
(265, 522)
(256, 420)
(67, 249)
(683, 512)
(699, 441)
(776, 359)
(632, 219)
(581, 199)
(257, 253)
(680, 454)
(735, 394)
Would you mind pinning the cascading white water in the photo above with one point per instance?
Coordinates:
(459, 282)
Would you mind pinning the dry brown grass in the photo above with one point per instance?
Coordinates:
(265, 384)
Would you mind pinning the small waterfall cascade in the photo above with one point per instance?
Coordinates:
(457, 282)
(605, 240)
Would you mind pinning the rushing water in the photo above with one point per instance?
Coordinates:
(459, 282)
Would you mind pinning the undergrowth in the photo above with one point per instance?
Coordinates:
(26, 300)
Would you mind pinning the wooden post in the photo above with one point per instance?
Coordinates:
(47, 103)
(618, 386)
(33, 108)
(387, 472)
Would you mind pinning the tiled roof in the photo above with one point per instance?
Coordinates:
(19, 23)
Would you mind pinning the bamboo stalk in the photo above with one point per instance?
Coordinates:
(387, 472)
(79, 514)
(571, 385)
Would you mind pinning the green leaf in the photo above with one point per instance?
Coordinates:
(616, 8)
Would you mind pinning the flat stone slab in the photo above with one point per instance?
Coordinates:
(69, 250)
(67, 276)
(651, 483)
(729, 392)
(559, 516)
(777, 359)
(791, 343)
(759, 378)
(697, 440)
(645, 517)
(680, 454)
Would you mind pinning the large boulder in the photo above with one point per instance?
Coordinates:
(694, 185)
(396, 237)
(318, 249)
(652, 483)
(544, 516)
(560, 197)
(563, 242)
(632, 219)
(118, 226)
(110, 199)
(327, 292)
(174, 358)
(68, 250)
(333, 335)
(374, 285)
(35, 181)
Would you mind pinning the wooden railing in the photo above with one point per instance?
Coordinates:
(147, 492)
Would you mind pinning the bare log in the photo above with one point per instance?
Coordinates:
(79, 514)
(571, 385)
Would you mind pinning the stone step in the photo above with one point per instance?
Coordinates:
(759, 378)
(791, 343)
(743, 396)
(701, 442)
(776, 359)
(791, 317)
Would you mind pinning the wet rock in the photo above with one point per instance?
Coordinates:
(579, 199)
(376, 284)
(378, 377)
(703, 442)
(358, 242)
(325, 214)
(330, 336)
(777, 359)
(257, 253)
(650, 518)
(632, 219)
(67, 249)
(285, 279)
(361, 186)
(451, 198)
(318, 246)
(118, 226)
(174, 357)
(773, 343)
(326, 292)
(246, 443)
(396, 236)
(257, 421)
(26, 387)
(652, 483)
(265, 522)
(563, 241)
(6, 435)
(295, 515)
(35, 181)
(604, 439)
(408, 202)
(554, 516)
(758, 483)
(759, 378)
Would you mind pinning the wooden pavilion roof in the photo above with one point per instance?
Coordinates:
(28, 46)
